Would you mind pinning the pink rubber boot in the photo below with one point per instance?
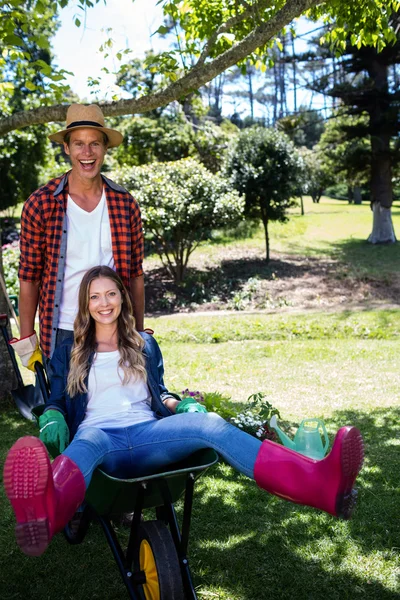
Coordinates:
(326, 484)
(44, 497)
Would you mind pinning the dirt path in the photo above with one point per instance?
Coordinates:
(239, 279)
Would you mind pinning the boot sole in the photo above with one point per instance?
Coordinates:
(352, 458)
(26, 481)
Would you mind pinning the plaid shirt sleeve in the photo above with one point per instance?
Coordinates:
(32, 241)
(137, 241)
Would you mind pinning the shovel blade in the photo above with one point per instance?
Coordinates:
(26, 398)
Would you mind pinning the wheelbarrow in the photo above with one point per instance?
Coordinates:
(154, 565)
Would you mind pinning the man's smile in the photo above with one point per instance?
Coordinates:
(87, 164)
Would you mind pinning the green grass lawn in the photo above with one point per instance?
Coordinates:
(245, 544)
(330, 229)
(341, 366)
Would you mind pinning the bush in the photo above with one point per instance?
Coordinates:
(10, 254)
(146, 140)
(264, 165)
(181, 203)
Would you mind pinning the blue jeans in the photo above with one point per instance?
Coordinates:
(143, 448)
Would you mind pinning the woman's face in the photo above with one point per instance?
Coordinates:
(105, 301)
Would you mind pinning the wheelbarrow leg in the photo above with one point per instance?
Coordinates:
(181, 540)
(126, 571)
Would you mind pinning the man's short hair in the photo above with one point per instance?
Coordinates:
(67, 137)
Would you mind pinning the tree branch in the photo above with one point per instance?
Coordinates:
(248, 12)
(193, 80)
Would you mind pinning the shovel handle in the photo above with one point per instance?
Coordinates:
(3, 325)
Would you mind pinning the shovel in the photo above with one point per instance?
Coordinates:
(26, 397)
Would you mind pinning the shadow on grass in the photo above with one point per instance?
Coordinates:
(346, 264)
(245, 544)
(294, 552)
(366, 259)
(219, 284)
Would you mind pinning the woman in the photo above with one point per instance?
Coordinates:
(108, 397)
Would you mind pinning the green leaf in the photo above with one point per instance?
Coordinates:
(162, 30)
(13, 40)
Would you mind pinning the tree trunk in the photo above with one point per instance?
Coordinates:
(294, 66)
(357, 195)
(265, 223)
(350, 194)
(381, 162)
(302, 205)
(276, 88)
(382, 225)
(249, 73)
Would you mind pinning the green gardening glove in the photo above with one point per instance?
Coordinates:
(189, 405)
(54, 432)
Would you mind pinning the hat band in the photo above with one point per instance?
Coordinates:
(82, 123)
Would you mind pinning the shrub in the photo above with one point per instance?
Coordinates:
(264, 165)
(10, 254)
(181, 203)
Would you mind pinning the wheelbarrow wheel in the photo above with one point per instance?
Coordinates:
(157, 558)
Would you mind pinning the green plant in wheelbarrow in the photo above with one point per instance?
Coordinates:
(254, 419)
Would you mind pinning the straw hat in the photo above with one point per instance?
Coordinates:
(80, 116)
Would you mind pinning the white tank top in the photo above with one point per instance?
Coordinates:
(110, 403)
(88, 245)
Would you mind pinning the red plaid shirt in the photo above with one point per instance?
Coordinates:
(43, 234)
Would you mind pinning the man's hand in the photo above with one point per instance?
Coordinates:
(54, 432)
(28, 350)
(189, 405)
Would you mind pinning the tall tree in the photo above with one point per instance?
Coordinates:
(372, 94)
(344, 150)
(22, 153)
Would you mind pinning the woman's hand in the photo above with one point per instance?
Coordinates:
(189, 405)
(54, 432)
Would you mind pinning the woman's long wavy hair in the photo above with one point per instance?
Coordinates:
(130, 343)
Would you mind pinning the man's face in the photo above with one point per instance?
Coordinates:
(86, 150)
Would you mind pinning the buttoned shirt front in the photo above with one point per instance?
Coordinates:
(43, 244)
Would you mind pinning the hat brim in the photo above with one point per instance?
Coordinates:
(114, 137)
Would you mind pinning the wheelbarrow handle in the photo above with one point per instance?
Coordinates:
(3, 325)
(42, 380)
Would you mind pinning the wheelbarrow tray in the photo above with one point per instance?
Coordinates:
(110, 496)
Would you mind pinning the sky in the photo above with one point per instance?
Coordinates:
(77, 48)
(132, 24)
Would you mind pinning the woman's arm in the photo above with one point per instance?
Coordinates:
(171, 403)
(169, 399)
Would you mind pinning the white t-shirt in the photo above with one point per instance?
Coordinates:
(110, 403)
(88, 245)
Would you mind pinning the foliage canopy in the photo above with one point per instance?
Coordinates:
(181, 203)
(210, 37)
(265, 167)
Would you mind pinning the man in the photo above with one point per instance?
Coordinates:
(75, 222)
